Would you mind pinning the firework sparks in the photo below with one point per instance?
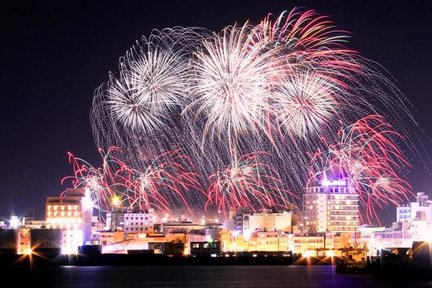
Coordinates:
(157, 186)
(279, 86)
(367, 155)
(246, 182)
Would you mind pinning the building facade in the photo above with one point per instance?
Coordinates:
(266, 221)
(331, 207)
(72, 213)
(131, 222)
(420, 210)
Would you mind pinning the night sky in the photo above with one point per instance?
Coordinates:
(55, 54)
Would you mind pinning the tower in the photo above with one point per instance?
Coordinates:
(331, 206)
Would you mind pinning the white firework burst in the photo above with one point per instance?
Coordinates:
(304, 104)
(150, 90)
(231, 84)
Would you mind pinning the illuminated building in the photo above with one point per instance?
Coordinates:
(72, 213)
(331, 207)
(235, 219)
(110, 237)
(205, 249)
(131, 222)
(266, 220)
(420, 210)
(180, 227)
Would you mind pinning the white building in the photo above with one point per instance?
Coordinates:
(266, 221)
(331, 207)
(420, 210)
(131, 222)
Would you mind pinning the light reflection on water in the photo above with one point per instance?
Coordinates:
(199, 276)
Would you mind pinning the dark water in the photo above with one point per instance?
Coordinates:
(196, 276)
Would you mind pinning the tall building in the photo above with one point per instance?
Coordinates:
(71, 212)
(331, 207)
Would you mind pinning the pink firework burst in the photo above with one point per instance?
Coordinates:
(247, 182)
(367, 155)
(161, 184)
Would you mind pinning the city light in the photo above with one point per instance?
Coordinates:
(326, 183)
(14, 222)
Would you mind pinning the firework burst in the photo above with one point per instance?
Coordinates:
(367, 155)
(158, 186)
(284, 86)
(247, 182)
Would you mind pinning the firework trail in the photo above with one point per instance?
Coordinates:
(164, 183)
(247, 182)
(281, 86)
(139, 110)
(368, 157)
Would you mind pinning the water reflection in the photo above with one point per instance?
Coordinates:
(197, 276)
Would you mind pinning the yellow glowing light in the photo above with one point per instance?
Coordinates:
(28, 251)
(116, 201)
(308, 253)
(330, 253)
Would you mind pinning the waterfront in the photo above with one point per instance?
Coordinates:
(196, 276)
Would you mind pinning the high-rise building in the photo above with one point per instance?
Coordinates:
(331, 207)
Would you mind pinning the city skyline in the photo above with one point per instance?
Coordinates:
(41, 159)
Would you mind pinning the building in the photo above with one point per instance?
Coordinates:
(205, 249)
(419, 210)
(266, 221)
(331, 207)
(131, 222)
(48, 242)
(72, 213)
(235, 219)
(183, 227)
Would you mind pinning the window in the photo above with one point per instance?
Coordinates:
(195, 245)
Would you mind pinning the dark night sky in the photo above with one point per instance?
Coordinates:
(55, 54)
